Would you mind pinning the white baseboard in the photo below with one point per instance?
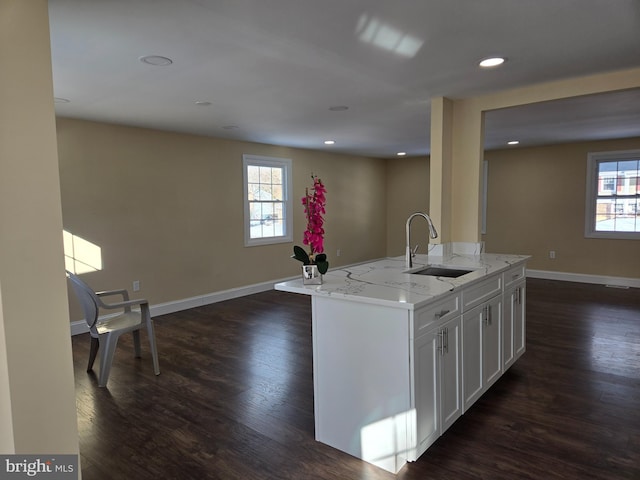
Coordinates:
(80, 327)
(584, 278)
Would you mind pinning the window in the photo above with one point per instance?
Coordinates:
(267, 202)
(613, 195)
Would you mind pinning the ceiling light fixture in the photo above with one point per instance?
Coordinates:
(156, 60)
(401, 154)
(329, 142)
(492, 62)
(513, 142)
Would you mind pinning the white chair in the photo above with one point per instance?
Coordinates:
(109, 329)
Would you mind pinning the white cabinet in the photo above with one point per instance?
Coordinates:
(481, 349)
(437, 373)
(514, 318)
(390, 379)
(427, 379)
(491, 342)
(451, 373)
(481, 338)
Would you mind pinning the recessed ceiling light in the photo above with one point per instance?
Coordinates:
(61, 100)
(203, 103)
(156, 60)
(401, 154)
(339, 108)
(513, 142)
(329, 142)
(492, 62)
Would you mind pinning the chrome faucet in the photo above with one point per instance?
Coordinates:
(432, 233)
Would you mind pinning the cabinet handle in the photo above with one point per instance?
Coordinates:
(441, 314)
(446, 340)
(487, 314)
(514, 276)
(519, 295)
(517, 292)
(440, 347)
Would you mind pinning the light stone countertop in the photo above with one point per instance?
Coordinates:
(387, 281)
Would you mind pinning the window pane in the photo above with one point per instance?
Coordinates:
(634, 185)
(607, 172)
(253, 174)
(265, 174)
(628, 166)
(604, 215)
(276, 192)
(255, 211)
(276, 176)
(253, 191)
(279, 210)
(265, 192)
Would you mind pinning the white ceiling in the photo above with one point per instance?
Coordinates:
(273, 68)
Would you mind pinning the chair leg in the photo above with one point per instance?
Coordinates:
(106, 358)
(136, 342)
(151, 333)
(95, 344)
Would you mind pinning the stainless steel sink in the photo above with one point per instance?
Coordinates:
(442, 272)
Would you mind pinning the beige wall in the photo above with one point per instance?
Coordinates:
(37, 396)
(536, 203)
(166, 209)
(407, 192)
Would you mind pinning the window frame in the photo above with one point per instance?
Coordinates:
(287, 205)
(593, 161)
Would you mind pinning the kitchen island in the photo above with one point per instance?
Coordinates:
(398, 356)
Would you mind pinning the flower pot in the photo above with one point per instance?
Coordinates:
(311, 275)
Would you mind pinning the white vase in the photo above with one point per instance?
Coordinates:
(311, 275)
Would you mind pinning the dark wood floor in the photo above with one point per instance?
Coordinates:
(235, 398)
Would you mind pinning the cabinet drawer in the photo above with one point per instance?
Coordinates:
(435, 313)
(514, 274)
(481, 292)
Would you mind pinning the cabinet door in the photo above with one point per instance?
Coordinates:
(426, 352)
(520, 320)
(472, 322)
(514, 333)
(481, 349)
(508, 327)
(492, 341)
(451, 373)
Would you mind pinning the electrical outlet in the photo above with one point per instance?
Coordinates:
(552, 254)
(338, 253)
(136, 285)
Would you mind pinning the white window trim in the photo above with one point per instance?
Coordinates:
(286, 164)
(592, 192)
